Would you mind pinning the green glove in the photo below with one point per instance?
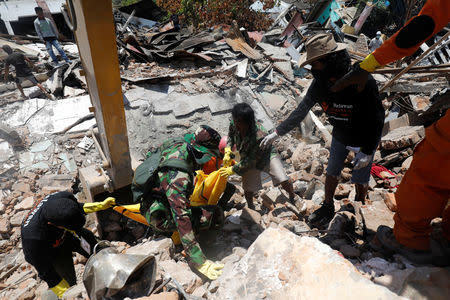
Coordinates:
(210, 269)
(96, 206)
(60, 288)
(227, 157)
(226, 171)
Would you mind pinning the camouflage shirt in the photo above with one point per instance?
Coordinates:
(248, 146)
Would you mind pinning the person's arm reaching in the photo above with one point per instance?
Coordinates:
(298, 114)
(434, 15)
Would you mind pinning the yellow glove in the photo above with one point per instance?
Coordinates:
(210, 269)
(96, 206)
(176, 238)
(227, 157)
(60, 288)
(369, 63)
(226, 171)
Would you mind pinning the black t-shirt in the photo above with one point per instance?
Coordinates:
(40, 240)
(18, 61)
(357, 117)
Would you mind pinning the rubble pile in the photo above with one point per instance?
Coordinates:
(175, 79)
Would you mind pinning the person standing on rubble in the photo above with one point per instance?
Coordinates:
(167, 209)
(424, 191)
(23, 72)
(52, 230)
(357, 119)
(376, 42)
(245, 133)
(48, 33)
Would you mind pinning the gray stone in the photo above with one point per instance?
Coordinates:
(25, 204)
(413, 87)
(285, 68)
(376, 195)
(273, 101)
(21, 187)
(250, 215)
(64, 181)
(26, 159)
(68, 161)
(318, 197)
(162, 249)
(301, 227)
(182, 273)
(376, 214)
(76, 292)
(6, 151)
(343, 190)
(5, 226)
(278, 53)
(16, 219)
(41, 146)
(40, 166)
(280, 265)
(72, 92)
(402, 137)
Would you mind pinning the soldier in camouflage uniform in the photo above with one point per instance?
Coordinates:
(170, 210)
(246, 134)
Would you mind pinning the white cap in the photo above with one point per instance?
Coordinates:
(378, 32)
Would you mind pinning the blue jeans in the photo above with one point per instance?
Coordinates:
(55, 43)
(338, 154)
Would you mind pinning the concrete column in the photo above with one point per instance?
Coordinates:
(96, 40)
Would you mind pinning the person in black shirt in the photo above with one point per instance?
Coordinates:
(52, 230)
(23, 71)
(357, 118)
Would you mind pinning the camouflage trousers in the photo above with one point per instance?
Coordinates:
(174, 213)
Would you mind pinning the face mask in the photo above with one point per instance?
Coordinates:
(320, 75)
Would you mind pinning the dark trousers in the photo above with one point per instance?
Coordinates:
(63, 263)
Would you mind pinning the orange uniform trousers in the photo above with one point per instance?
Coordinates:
(424, 192)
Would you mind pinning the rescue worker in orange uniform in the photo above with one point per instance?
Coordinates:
(425, 189)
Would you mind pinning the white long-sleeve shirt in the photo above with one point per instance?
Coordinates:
(45, 28)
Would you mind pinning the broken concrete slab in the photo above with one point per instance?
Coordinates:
(6, 151)
(182, 273)
(285, 68)
(376, 214)
(274, 52)
(250, 215)
(64, 181)
(161, 249)
(68, 162)
(402, 137)
(410, 87)
(16, 219)
(72, 92)
(273, 101)
(395, 123)
(43, 116)
(281, 265)
(41, 146)
(25, 204)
